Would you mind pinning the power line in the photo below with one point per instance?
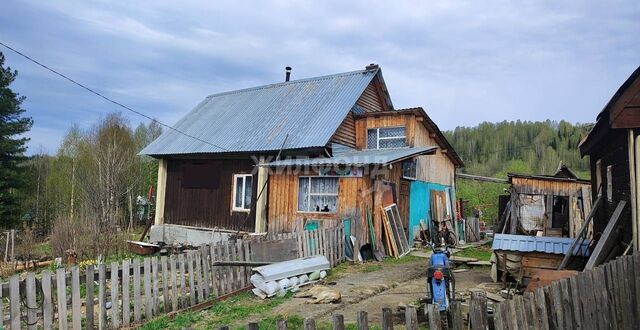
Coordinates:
(107, 98)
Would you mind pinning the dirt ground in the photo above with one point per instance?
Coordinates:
(372, 286)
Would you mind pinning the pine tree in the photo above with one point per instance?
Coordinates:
(12, 147)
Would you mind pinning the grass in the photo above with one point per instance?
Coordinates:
(482, 253)
(227, 312)
(180, 321)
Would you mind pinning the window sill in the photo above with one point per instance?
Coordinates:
(317, 213)
(241, 210)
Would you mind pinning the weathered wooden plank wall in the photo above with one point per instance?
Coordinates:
(209, 203)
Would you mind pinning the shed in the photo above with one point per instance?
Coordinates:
(613, 147)
(552, 205)
(526, 258)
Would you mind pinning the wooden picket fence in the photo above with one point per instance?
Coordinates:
(606, 297)
(133, 291)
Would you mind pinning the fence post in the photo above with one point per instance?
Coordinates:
(281, 324)
(62, 298)
(102, 301)
(174, 283)
(31, 305)
(362, 322)
(126, 310)
(148, 300)
(498, 320)
(338, 322)
(530, 308)
(541, 310)
(457, 322)
(166, 306)
(309, 324)
(478, 310)
(14, 299)
(115, 300)
(76, 303)
(433, 313)
(137, 300)
(411, 318)
(387, 319)
(89, 279)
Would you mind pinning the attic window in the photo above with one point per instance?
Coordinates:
(318, 194)
(386, 137)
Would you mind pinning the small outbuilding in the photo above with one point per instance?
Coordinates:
(546, 205)
(613, 147)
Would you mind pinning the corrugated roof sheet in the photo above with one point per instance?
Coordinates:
(524, 243)
(259, 118)
(358, 158)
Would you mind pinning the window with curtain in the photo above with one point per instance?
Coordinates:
(318, 194)
(386, 137)
(242, 192)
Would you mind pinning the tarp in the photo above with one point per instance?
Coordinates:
(532, 212)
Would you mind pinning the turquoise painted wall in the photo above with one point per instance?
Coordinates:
(420, 203)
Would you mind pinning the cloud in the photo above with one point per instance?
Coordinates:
(464, 61)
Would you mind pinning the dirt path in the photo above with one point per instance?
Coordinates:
(370, 287)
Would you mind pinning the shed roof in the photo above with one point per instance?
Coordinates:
(544, 244)
(626, 97)
(309, 111)
(358, 158)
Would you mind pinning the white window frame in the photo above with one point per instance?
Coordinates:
(309, 193)
(415, 167)
(378, 138)
(244, 189)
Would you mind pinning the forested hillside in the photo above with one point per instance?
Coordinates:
(493, 149)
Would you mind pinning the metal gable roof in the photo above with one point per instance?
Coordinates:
(309, 111)
(357, 158)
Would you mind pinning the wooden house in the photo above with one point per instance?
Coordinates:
(613, 147)
(398, 157)
(550, 205)
(303, 153)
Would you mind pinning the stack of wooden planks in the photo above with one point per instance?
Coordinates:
(394, 234)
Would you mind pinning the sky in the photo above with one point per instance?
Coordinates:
(465, 62)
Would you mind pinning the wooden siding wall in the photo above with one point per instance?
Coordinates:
(346, 133)
(614, 153)
(573, 190)
(547, 187)
(370, 100)
(353, 195)
(363, 124)
(207, 207)
(436, 168)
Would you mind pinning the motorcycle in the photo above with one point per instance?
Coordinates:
(440, 281)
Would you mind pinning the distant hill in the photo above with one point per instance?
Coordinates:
(493, 149)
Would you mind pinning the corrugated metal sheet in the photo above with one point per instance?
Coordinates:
(523, 243)
(358, 158)
(259, 118)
